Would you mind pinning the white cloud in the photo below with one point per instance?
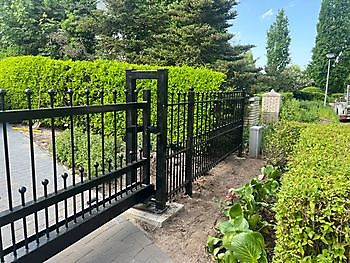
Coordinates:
(268, 13)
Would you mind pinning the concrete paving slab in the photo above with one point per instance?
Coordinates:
(118, 241)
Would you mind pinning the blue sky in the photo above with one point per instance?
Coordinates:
(256, 16)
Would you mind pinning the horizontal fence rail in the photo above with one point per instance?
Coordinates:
(45, 207)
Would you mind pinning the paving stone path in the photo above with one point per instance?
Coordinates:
(117, 241)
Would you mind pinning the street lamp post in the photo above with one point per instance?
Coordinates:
(329, 57)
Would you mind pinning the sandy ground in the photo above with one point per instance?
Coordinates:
(184, 237)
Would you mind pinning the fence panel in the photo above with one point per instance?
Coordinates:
(203, 129)
(46, 207)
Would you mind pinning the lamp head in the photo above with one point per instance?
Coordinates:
(330, 55)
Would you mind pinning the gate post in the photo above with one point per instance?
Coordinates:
(162, 140)
(242, 112)
(189, 143)
(131, 126)
(146, 137)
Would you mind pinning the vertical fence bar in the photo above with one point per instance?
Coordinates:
(176, 147)
(115, 134)
(131, 122)
(45, 183)
(162, 125)
(189, 143)
(87, 93)
(146, 141)
(8, 172)
(52, 94)
(103, 147)
(71, 120)
(29, 93)
(22, 192)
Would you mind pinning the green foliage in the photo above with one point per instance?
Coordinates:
(279, 141)
(186, 32)
(241, 237)
(313, 208)
(278, 42)
(335, 96)
(64, 149)
(52, 28)
(163, 32)
(291, 79)
(238, 242)
(42, 74)
(306, 111)
(309, 93)
(332, 38)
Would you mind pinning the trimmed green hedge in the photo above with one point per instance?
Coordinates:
(279, 141)
(313, 210)
(309, 93)
(42, 74)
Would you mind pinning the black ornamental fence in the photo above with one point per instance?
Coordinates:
(203, 129)
(45, 213)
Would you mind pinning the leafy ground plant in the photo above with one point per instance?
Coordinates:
(250, 221)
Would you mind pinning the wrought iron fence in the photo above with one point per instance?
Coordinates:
(46, 212)
(203, 129)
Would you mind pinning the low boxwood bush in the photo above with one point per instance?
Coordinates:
(279, 140)
(313, 209)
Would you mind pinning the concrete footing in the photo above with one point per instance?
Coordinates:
(142, 213)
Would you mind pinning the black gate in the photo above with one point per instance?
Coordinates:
(44, 215)
(50, 213)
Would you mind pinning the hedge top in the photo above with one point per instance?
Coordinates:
(42, 74)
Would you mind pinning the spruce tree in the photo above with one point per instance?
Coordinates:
(197, 34)
(333, 36)
(278, 42)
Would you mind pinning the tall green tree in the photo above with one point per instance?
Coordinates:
(197, 34)
(128, 28)
(333, 36)
(277, 44)
(175, 32)
(20, 25)
(46, 27)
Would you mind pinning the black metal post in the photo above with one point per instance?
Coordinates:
(162, 113)
(131, 123)
(189, 143)
(241, 130)
(146, 137)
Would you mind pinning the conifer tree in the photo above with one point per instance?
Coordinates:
(278, 42)
(333, 36)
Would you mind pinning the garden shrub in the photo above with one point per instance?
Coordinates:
(313, 209)
(64, 149)
(309, 93)
(279, 141)
(306, 111)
